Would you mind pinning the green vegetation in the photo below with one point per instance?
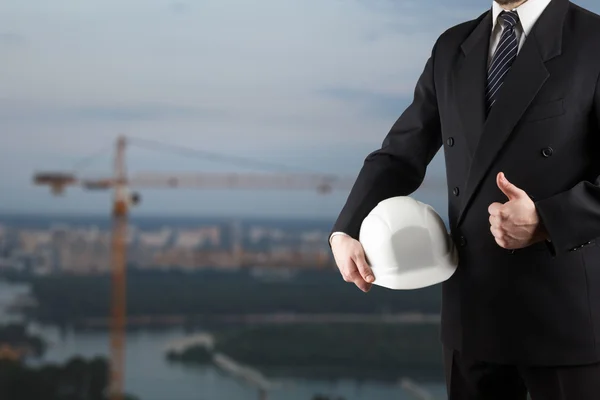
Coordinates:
(200, 296)
(78, 379)
(329, 351)
(16, 336)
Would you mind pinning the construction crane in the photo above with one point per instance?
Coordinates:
(124, 198)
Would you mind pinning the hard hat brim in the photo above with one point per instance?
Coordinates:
(411, 280)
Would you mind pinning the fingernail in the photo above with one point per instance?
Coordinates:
(370, 278)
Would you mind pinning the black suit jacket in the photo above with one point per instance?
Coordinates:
(538, 305)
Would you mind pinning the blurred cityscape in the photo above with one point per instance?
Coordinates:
(64, 248)
(231, 294)
(257, 302)
(203, 308)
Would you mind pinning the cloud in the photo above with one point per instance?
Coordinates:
(302, 82)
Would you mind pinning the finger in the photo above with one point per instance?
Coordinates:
(358, 280)
(364, 268)
(497, 221)
(502, 243)
(347, 277)
(355, 277)
(349, 270)
(364, 286)
(494, 209)
(497, 232)
(507, 242)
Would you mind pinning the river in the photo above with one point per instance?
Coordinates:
(149, 376)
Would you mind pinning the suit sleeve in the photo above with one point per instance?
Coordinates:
(572, 218)
(398, 167)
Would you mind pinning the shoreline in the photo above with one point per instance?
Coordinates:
(170, 321)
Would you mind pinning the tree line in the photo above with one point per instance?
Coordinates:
(67, 299)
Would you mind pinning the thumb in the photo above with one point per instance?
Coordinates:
(360, 260)
(363, 268)
(509, 189)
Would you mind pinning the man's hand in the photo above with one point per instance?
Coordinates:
(350, 259)
(515, 224)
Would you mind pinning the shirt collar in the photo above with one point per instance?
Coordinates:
(529, 12)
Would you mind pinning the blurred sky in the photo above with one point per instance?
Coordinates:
(313, 84)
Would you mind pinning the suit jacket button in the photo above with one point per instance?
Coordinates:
(450, 141)
(462, 241)
(547, 152)
(455, 191)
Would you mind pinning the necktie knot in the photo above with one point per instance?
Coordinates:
(509, 19)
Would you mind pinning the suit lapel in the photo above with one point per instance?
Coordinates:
(470, 80)
(524, 80)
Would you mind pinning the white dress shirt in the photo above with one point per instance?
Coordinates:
(528, 12)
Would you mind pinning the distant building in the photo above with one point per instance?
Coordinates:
(86, 249)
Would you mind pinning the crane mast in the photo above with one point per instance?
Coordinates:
(120, 184)
(118, 285)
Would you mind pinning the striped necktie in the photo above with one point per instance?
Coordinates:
(505, 54)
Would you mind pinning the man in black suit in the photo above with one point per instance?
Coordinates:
(514, 99)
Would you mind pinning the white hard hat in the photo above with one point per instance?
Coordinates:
(407, 244)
